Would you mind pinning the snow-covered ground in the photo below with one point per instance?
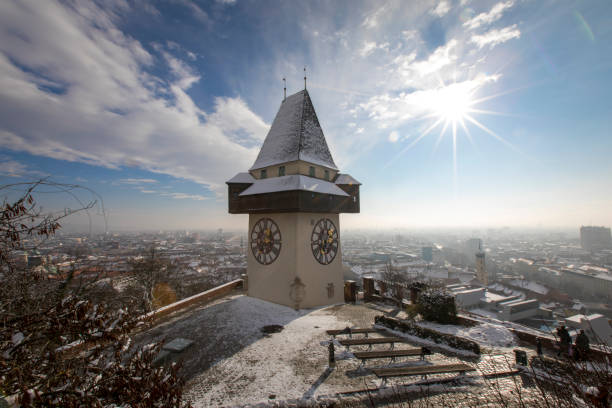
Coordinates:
(289, 364)
(233, 363)
(485, 334)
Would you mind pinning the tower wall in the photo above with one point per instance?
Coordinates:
(481, 272)
(273, 282)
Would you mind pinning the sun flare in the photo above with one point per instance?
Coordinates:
(453, 109)
(453, 103)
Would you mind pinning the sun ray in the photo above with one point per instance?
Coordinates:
(497, 95)
(452, 107)
(455, 172)
(495, 135)
(490, 112)
(467, 132)
(440, 136)
(415, 141)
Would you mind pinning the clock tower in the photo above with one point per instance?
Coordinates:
(294, 194)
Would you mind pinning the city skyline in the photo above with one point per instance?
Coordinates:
(452, 114)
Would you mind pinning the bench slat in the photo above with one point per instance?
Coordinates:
(336, 332)
(422, 370)
(370, 340)
(363, 355)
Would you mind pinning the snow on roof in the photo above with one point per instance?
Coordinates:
(466, 291)
(295, 135)
(576, 318)
(346, 179)
(293, 182)
(530, 285)
(241, 178)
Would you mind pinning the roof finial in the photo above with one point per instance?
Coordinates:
(304, 78)
(284, 89)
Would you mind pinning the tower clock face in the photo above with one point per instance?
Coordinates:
(265, 241)
(324, 241)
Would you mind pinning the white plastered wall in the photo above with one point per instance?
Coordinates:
(273, 282)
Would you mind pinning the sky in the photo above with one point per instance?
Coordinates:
(457, 113)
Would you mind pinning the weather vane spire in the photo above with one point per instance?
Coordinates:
(304, 78)
(284, 89)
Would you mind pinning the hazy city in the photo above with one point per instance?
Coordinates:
(305, 204)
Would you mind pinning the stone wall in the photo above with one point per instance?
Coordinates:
(192, 300)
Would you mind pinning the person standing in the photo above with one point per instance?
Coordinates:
(582, 345)
(565, 340)
(539, 346)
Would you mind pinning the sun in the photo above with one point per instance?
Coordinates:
(452, 108)
(453, 103)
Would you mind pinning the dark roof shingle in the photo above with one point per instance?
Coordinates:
(295, 135)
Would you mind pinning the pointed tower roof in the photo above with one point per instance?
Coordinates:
(295, 135)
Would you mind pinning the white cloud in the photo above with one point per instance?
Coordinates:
(394, 136)
(441, 57)
(409, 34)
(13, 168)
(495, 36)
(368, 48)
(489, 17)
(137, 181)
(195, 9)
(389, 110)
(185, 196)
(371, 46)
(372, 20)
(105, 108)
(441, 9)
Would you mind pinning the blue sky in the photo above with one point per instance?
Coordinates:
(154, 105)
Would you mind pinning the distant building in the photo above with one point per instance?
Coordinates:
(427, 254)
(519, 309)
(594, 238)
(467, 297)
(472, 246)
(481, 269)
(597, 327)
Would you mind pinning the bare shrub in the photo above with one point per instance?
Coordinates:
(57, 347)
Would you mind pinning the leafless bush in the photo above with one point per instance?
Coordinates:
(57, 347)
(150, 270)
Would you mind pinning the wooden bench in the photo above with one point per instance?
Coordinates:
(370, 341)
(366, 355)
(350, 332)
(423, 371)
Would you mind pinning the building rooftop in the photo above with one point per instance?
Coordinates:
(346, 179)
(295, 135)
(291, 183)
(241, 178)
